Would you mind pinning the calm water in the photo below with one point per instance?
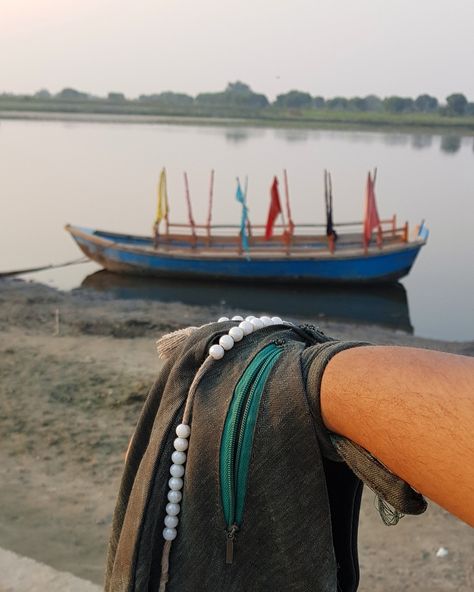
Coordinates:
(104, 175)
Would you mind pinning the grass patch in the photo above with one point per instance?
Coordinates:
(268, 116)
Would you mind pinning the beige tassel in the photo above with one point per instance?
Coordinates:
(169, 343)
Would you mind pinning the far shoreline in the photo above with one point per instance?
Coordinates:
(369, 125)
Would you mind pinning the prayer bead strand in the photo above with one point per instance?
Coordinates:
(183, 431)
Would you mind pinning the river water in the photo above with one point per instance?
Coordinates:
(104, 175)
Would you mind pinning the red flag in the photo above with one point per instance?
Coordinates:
(371, 219)
(275, 209)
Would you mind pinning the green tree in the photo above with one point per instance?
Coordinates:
(116, 97)
(357, 104)
(237, 94)
(456, 104)
(426, 103)
(238, 88)
(373, 103)
(398, 104)
(168, 99)
(42, 94)
(337, 104)
(469, 109)
(319, 102)
(72, 94)
(240, 94)
(294, 99)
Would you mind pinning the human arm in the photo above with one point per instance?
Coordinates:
(413, 409)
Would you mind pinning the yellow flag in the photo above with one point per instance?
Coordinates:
(162, 208)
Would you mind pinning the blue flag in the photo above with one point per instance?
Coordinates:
(240, 197)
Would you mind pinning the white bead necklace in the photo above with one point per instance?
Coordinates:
(183, 431)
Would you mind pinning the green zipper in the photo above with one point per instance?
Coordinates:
(237, 438)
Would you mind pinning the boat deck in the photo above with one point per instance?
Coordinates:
(223, 246)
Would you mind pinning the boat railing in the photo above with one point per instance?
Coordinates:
(285, 237)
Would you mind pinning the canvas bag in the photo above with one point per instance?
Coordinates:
(299, 528)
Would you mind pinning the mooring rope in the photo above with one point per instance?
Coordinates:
(43, 267)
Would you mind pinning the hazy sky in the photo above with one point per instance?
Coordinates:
(327, 47)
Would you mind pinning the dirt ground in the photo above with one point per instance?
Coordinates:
(74, 371)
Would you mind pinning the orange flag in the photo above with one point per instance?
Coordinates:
(275, 209)
(371, 219)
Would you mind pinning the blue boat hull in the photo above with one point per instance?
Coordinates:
(133, 256)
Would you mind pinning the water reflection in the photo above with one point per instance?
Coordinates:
(396, 139)
(239, 135)
(420, 141)
(292, 135)
(450, 143)
(385, 305)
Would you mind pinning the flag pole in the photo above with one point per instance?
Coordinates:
(364, 229)
(287, 203)
(283, 214)
(332, 238)
(379, 229)
(209, 213)
(326, 196)
(156, 229)
(190, 212)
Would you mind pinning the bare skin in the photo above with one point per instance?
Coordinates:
(413, 409)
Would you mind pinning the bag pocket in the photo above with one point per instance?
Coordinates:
(237, 439)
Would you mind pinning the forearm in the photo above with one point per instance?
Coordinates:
(413, 409)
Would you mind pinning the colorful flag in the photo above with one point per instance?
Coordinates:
(162, 209)
(371, 219)
(240, 197)
(275, 209)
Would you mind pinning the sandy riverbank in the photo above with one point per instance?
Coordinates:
(69, 400)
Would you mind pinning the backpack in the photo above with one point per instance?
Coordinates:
(261, 497)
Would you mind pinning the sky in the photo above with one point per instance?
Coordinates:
(325, 47)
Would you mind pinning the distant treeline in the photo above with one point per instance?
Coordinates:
(240, 96)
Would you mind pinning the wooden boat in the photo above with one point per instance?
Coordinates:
(305, 255)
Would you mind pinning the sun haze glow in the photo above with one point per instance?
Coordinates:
(327, 47)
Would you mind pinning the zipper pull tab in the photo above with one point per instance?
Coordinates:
(230, 537)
